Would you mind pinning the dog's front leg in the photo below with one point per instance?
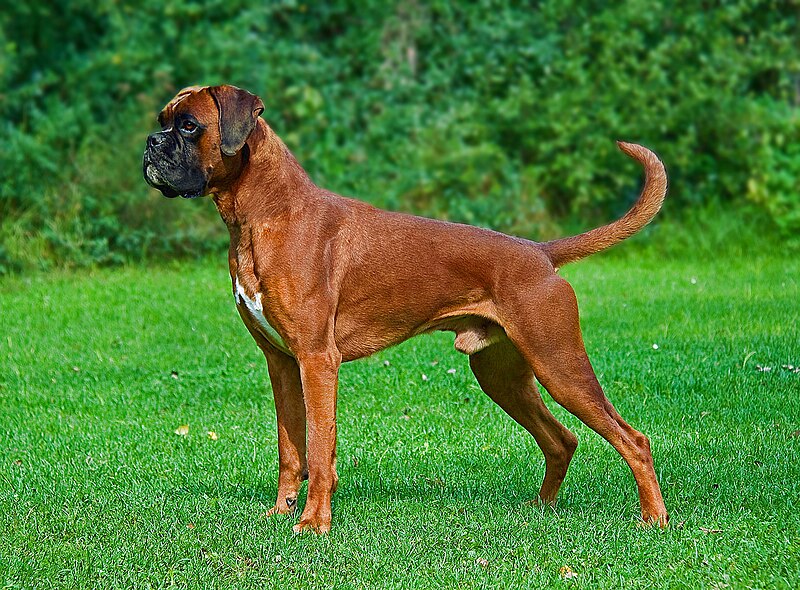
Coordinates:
(284, 374)
(319, 373)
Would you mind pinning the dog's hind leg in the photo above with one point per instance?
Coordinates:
(547, 332)
(508, 379)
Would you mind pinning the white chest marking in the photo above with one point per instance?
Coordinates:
(256, 311)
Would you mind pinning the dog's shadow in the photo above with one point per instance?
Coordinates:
(355, 489)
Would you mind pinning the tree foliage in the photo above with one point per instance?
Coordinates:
(494, 112)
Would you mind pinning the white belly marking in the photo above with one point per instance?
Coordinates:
(256, 310)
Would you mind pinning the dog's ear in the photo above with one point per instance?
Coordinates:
(238, 112)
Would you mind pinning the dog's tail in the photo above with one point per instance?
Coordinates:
(568, 250)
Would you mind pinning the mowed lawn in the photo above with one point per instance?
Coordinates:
(99, 369)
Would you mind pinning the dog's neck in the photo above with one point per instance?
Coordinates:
(268, 182)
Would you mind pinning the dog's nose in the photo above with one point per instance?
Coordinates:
(154, 139)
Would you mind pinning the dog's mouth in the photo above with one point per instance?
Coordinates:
(154, 179)
(192, 194)
(167, 191)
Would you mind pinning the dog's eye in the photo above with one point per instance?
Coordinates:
(188, 126)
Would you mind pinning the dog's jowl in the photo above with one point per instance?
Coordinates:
(320, 279)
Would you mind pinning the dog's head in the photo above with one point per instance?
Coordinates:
(203, 131)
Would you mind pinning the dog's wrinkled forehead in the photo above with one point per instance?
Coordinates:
(188, 100)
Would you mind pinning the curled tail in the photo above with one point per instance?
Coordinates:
(567, 250)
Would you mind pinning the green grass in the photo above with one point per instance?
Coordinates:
(98, 369)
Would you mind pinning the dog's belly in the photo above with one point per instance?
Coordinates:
(255, 310)
(474, 325)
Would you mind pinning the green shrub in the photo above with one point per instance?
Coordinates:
(493, 113)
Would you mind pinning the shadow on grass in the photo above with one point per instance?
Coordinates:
(419, 489)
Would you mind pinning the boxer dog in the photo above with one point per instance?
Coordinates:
(320, 279)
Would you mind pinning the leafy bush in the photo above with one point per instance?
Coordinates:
(492, 112)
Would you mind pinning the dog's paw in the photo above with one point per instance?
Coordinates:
(540, 502)
(657, 520)
(285, 506)
(313, 523)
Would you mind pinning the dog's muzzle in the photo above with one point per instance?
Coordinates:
(162, 173)
(154, 179)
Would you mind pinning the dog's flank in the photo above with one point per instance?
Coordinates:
(566, 250)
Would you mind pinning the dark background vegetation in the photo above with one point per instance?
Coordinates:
(494, 113)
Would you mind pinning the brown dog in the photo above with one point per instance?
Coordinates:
(319, 279)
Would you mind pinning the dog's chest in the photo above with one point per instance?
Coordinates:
(255, 309)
